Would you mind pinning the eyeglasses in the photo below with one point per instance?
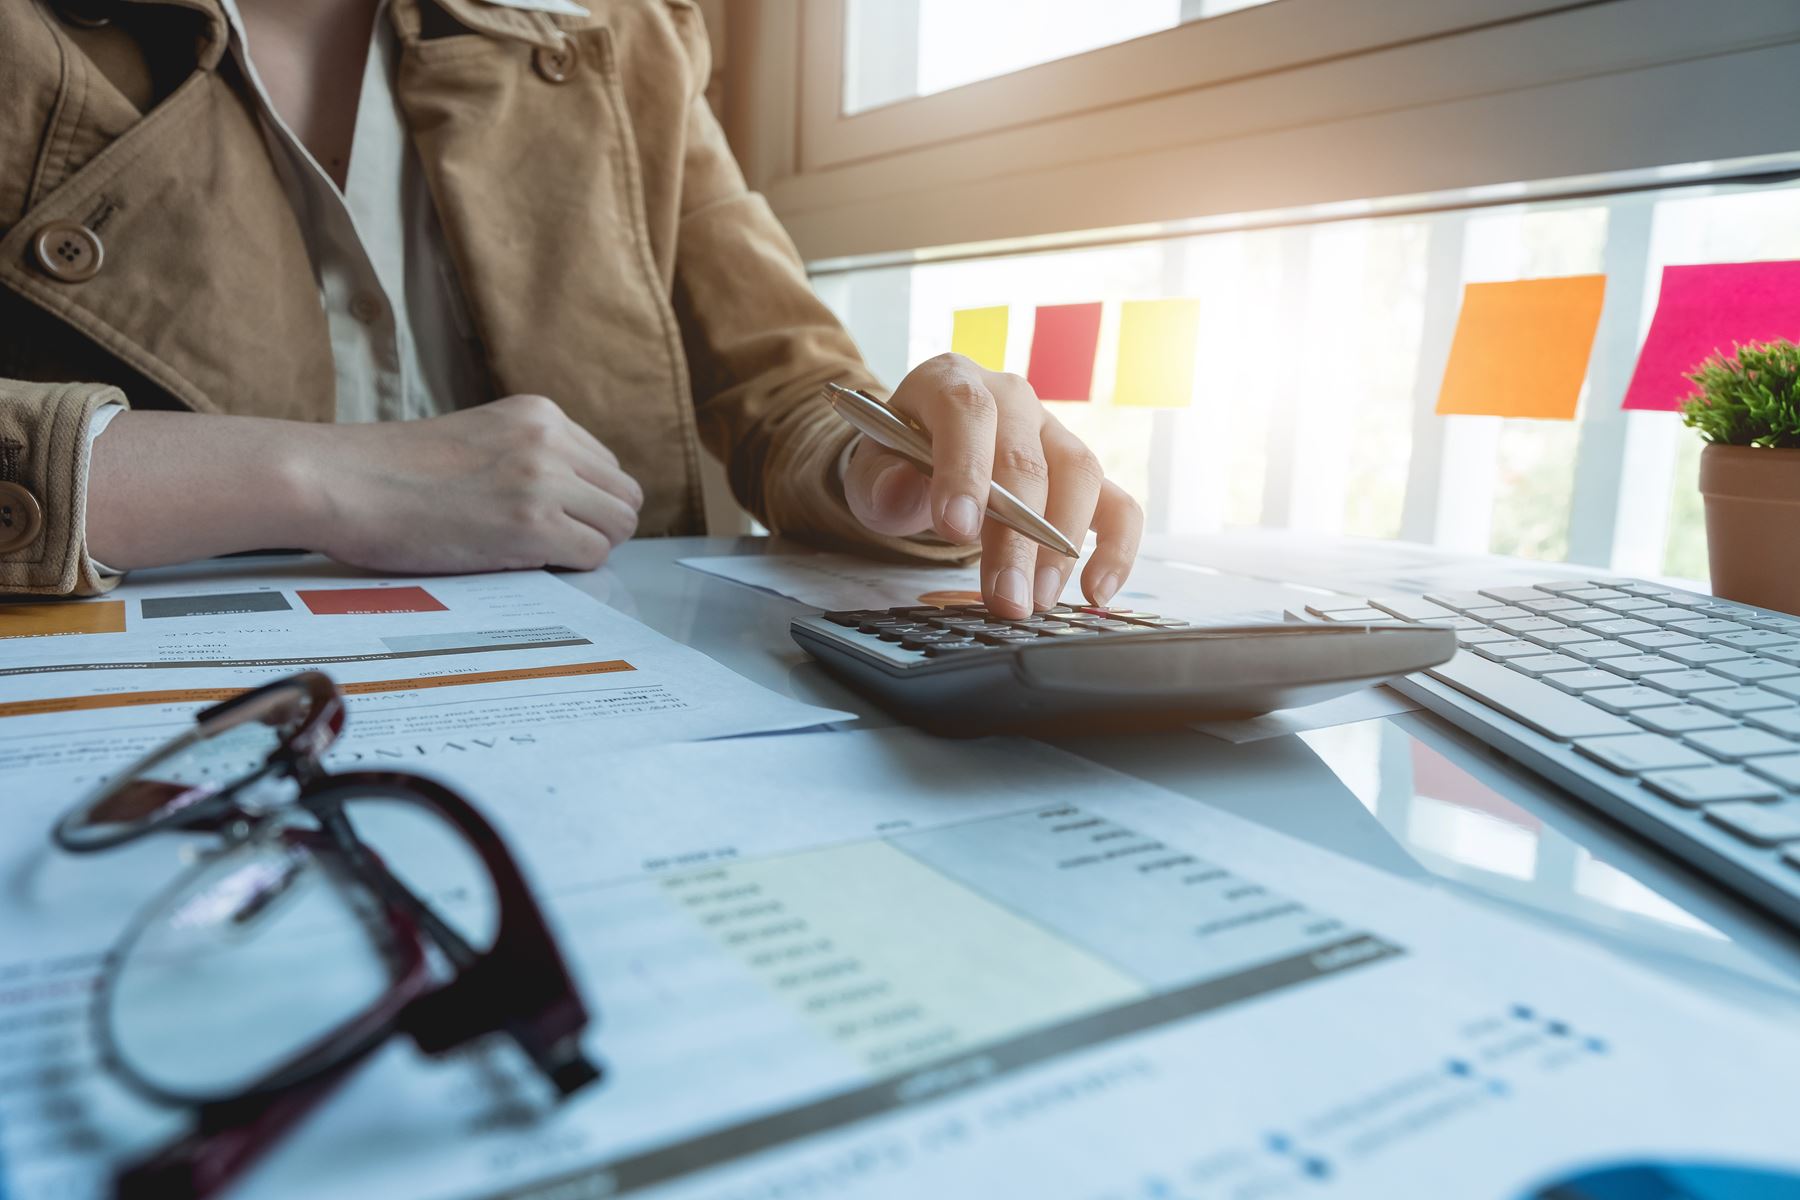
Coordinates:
(328, 913)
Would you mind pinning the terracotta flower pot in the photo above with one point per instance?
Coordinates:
(1753, 524)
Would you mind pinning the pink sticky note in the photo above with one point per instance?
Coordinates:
(1706, 310)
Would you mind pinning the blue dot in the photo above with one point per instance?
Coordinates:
(1522, 1012)
(1457, 1066)
(1597, 1045)
(1318, 1168)
(1558, 1028)
(1278, 1143)
(1497, 1087)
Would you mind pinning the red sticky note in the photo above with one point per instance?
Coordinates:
(339, 602)
(1707, 310)
(1063, 345)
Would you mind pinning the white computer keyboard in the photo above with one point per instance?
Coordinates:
(1675, 713)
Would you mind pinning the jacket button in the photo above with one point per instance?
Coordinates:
(20, 517)
(555, 65)
(68, 251)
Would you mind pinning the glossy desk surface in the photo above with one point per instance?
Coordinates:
(1406, 794)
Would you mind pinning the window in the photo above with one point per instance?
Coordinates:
(897, 49)
(1322, 346)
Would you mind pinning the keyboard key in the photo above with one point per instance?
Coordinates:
(1778, 768)
(1493, 613)
(1555, 604)
(1759, 824)
(1636, 752)
(1527, 624)
(1577, 616)
(1786, 626)
(1412, 608)
(1707, 626)
(1594, 651)
(1562, 586)
(1628, 604)
(1481, 634)
(1681, 718)
(1626, 699)
(1735, 745)
(1501, 651)
(1785, 652)
(1317, 608)
(1785, 721)
(1638, 665)
(1513, 595)
(1754, 639)
(1686, 683)
(1705, 654)
(1792, 857)
(1618, 627)
(1640, 588)
(1526, 700)
(1664, 616)
(1754, 670)
(1659, 639)
(1535, 665)
(1576, 682)
(1743, 700)
(1708, 785)
(1358, 616)
(1593, 595)
(1561, 636)
(1460, 601)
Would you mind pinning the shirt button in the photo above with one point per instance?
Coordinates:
(69, 251)
(20, 517)
(365, 308)
(87, 14)
(555, 65)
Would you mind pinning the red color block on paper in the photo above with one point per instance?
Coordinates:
(348, 602)
(1707, 310)
(1063, 345)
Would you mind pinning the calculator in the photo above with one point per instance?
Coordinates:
(961, 670)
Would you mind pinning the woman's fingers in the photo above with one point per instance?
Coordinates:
(1009, 559)
(885, 492)
(951, 397)
(1075, 482)
(1118, 527)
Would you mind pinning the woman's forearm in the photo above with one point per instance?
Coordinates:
(168, 487)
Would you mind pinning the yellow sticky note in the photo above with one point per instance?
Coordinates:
(1156, 353)
(1521, 349)
(980, 334)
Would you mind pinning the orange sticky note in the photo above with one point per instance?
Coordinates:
(1521, 349)
(980, 334)
(1156, 353)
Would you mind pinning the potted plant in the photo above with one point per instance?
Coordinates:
(1748, 411)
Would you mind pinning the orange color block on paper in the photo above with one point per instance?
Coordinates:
(51, 620)
(1521, 349)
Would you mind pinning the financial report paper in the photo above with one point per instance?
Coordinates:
(880, 965)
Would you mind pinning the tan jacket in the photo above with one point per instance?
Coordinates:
(609, 250)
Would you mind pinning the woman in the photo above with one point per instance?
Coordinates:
(440, 285)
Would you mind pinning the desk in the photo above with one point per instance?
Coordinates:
(1408, 795)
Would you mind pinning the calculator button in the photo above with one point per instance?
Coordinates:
(1070, 631)
(940, 649)
(894, 635)
(1005, 637)
(1160, 622)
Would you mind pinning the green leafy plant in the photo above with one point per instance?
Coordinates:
(1751, 398)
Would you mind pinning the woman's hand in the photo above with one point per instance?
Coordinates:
(988, 426)
(510, 484)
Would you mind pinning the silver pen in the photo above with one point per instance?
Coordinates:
(912, 441)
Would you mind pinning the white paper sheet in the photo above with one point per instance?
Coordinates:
(881, 965)
(1367, 704)
(840, 581)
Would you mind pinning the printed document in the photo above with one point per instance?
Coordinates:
(879, 965)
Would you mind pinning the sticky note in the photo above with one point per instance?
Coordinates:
(980, 334)
(1156, 353)
(1521, 348)
(1063, 343)
(1707, 310)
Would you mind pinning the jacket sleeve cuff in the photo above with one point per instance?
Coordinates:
(44, 451)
